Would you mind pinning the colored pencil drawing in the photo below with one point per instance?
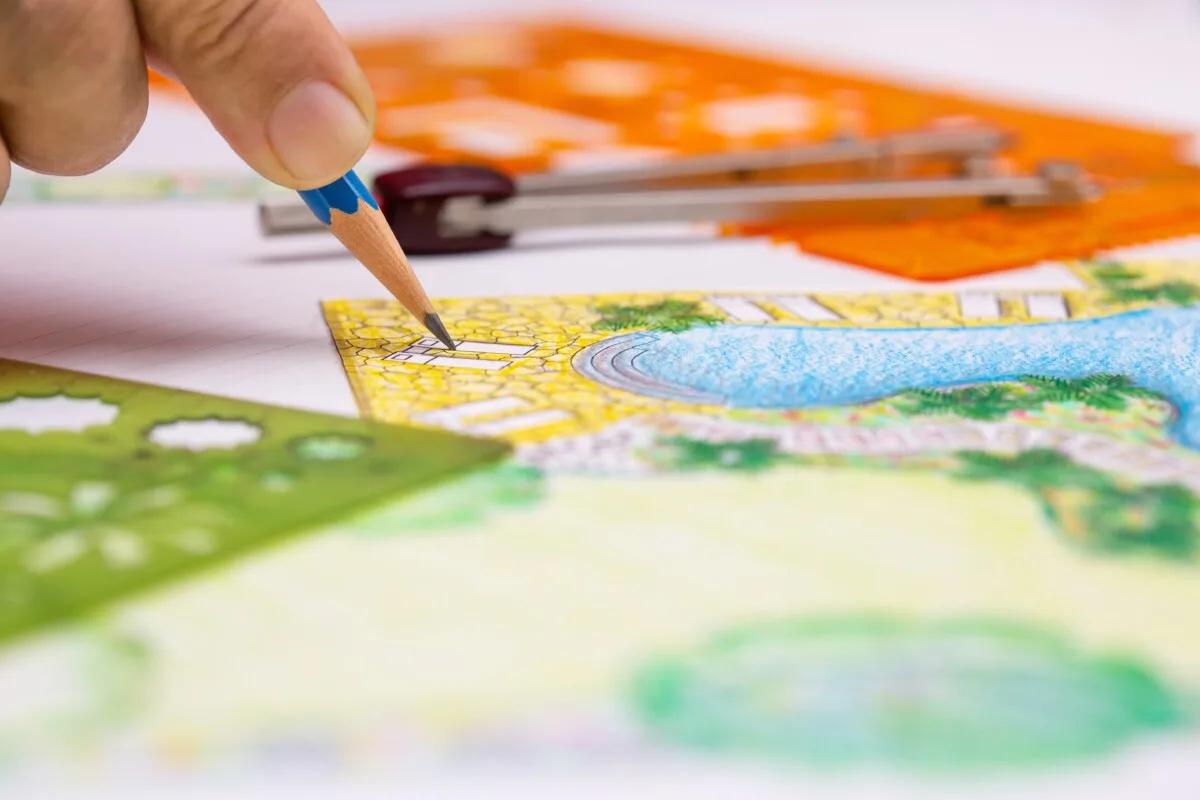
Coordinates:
(576, 601)
(1083, 402)
(517, 354)
(529, 633)
(1104, 398)
(936, 695)
(108, 487)
(776, 366)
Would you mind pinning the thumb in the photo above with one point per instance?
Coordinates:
(5, 171)
(275, 78)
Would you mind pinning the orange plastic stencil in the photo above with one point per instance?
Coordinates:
(536, 96)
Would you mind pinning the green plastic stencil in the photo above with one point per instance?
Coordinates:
(108, 487)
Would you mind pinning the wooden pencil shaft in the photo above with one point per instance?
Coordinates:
(350, 210)
(369, 239)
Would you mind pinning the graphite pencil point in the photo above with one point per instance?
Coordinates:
(434, 324)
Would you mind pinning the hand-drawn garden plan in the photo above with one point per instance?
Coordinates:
(935, 534)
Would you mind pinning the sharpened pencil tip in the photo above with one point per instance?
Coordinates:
(434, 323)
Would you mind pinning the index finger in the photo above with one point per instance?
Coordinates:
(274, 76)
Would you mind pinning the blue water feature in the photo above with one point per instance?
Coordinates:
(754, 366)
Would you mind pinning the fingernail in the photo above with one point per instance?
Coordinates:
(317, 131)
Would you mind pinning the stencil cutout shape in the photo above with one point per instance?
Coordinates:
(55, 413)
(205, 434)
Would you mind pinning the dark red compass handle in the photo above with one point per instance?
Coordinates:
(412, 200)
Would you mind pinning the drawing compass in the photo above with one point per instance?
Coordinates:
(460, 208)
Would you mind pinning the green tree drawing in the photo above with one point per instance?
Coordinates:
(1101, 391)
(667, 316)
(1178, 293)
(1113, 273)
(1122, 285)
(1033, 469)
(926, 697)
(1093, 508)
(750, 455)
(1157, 518)
(984, 403)
(997, 400)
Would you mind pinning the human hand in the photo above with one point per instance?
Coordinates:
(275, 78)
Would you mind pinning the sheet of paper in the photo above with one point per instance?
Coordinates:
(910, 570)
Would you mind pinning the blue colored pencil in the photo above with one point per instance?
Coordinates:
(349, 210)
